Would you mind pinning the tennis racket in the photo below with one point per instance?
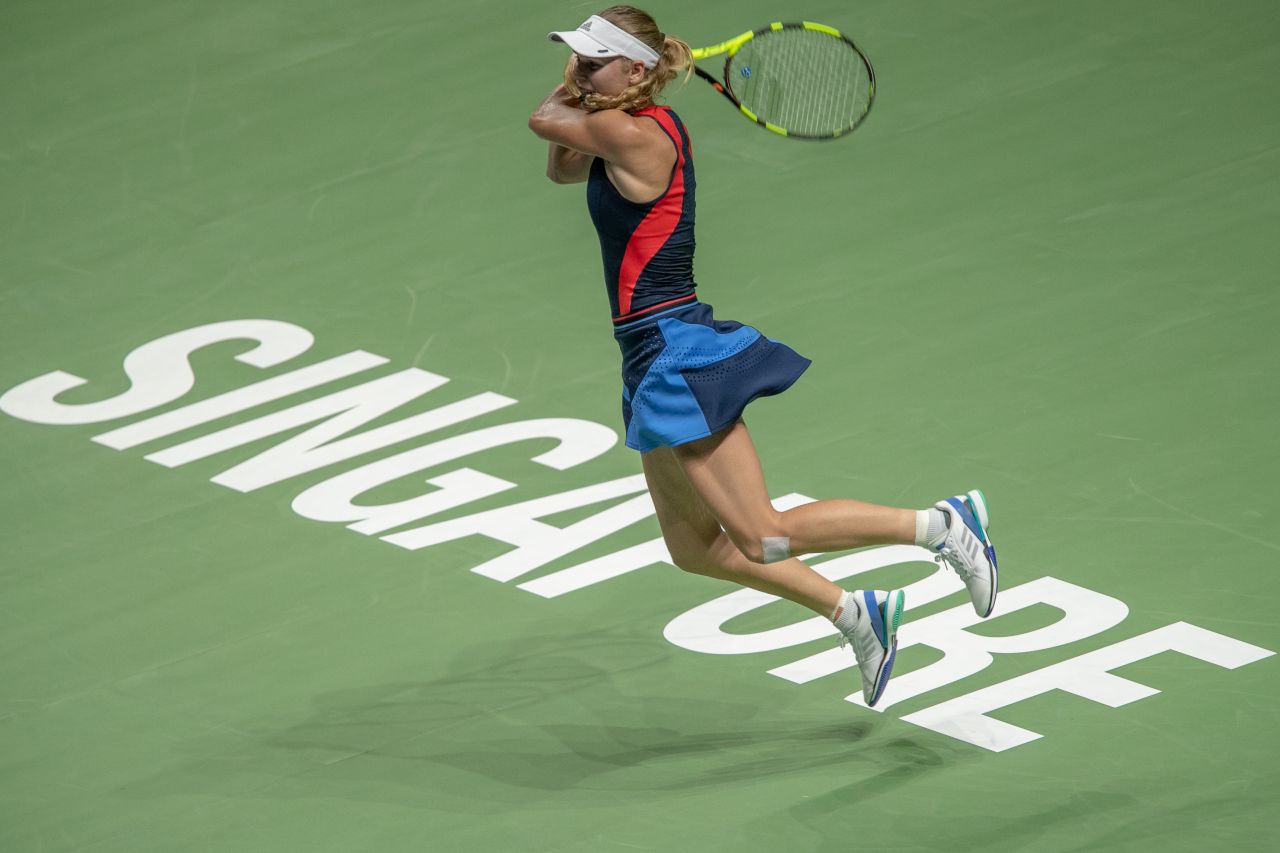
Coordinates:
(804, 81)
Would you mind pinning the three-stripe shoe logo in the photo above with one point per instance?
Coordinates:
(973, 551)
(972, 548)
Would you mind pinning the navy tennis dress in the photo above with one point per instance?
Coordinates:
(685, 374)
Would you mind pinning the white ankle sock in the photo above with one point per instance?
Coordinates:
(931, 525)
(845, 616)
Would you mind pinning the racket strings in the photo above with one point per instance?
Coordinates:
(810, 83)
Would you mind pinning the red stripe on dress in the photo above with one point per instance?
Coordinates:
(655, 229)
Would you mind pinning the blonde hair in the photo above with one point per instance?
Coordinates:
(674, 56)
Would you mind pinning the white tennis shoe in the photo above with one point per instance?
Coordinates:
(966, 547)
(874, 638)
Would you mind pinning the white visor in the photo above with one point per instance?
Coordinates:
(598, 37)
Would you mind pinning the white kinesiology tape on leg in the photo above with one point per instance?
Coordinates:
(776, 548)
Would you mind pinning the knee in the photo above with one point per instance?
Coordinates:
(696, 562)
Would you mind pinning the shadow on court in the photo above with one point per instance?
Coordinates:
(517, 717)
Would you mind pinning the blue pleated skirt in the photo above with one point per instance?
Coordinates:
(687, 375)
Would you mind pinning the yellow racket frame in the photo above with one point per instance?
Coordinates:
(733, 45)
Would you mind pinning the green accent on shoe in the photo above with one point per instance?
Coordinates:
(986, 508)
(897, 611)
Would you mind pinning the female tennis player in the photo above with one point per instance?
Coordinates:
(687, 376)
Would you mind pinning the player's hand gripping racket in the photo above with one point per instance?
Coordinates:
(803, 80)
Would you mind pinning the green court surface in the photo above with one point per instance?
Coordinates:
(1045, 267)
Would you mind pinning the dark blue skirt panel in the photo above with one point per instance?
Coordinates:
(686, 375)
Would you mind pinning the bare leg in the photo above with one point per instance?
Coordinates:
(698, 545)
(725, 472)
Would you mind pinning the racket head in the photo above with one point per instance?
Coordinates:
(801, 80)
